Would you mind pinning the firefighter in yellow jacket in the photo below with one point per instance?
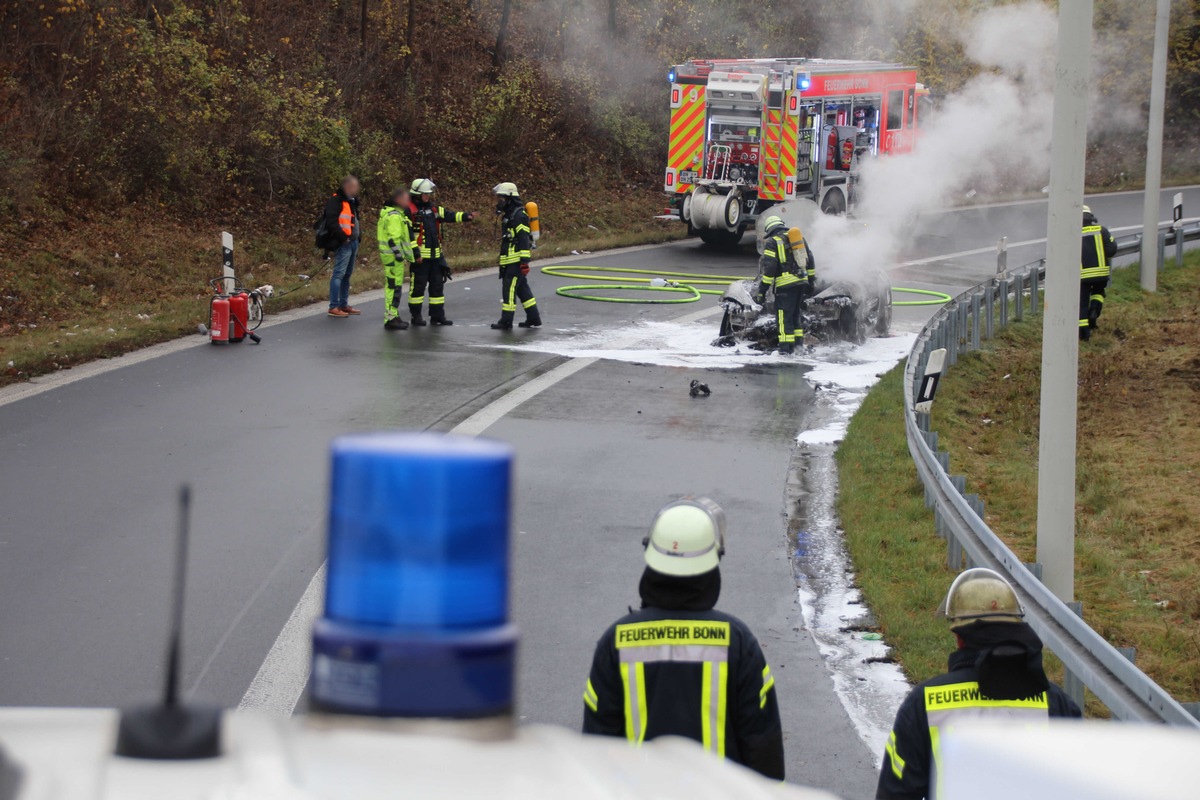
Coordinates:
(430, 271)
(790, 272)
(396, 252)
(516, 243)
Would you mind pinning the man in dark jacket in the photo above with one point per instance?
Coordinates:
(790, 272)
(516, 241)
(341, 220)
(430, 271)
(1095, 270)
(996, 674)
(678, 667)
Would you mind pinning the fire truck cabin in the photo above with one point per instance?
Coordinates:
(746, 134)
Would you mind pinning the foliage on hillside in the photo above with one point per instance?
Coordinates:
(196, 100)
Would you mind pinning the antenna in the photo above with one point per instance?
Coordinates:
(171, 731)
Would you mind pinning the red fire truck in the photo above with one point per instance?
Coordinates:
(749, 133)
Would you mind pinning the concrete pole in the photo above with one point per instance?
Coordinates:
(1060, 327)
(1154, 140)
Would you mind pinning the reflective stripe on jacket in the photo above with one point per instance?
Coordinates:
(912, 754)
(516, 242)
(698, 674)
(427, 222)
(1098, 247)
(779, 265)
(395, 236)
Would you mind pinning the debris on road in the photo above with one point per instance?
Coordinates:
(700, 389)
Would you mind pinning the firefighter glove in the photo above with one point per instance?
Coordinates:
(447, 275)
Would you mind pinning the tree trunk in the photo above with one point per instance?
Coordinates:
(498, 54)
(362, 28)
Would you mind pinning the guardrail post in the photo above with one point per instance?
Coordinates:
(960, 483)
(1162, 249)
(1035, 568)
(954, 552)
(989, 302)
(975, 303)
(1179, 247)
(1071, 683)
(1192, 708)
(950, 323)
(1129, 652)
(1034, 278)
(1004, 302)
(1019, 296)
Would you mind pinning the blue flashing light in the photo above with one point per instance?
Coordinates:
(416, 605)
(804, 82)
(671, 76)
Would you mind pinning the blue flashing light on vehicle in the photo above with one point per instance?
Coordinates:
(416, 620)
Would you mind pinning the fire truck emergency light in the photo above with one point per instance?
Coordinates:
(671, 76)
(804, 80)
(416, 606)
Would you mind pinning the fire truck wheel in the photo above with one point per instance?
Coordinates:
(834, 202)
(721, 238)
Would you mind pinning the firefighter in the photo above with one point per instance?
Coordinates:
(396, 252)
(781, 268)
(677, 666)
(515, 245)
(995, 674)
(1094, 272)
(430, 270)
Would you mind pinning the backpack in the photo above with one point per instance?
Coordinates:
(322, 240)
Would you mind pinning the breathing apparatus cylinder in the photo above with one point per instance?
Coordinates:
(535, 227)
(796, 238)
(218, 323)
(239, 312)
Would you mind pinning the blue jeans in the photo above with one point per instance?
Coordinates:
(343, 268)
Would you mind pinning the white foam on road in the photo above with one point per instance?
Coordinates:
(870, 690)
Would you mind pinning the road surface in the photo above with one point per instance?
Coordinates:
(90, 469)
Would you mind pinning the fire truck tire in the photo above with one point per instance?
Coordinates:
(834, 202)
(716, 237)
(685, 209)
(733, 213)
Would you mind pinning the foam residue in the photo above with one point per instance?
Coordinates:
(870, 688)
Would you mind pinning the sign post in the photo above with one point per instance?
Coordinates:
(227, 261)
(1154, 140)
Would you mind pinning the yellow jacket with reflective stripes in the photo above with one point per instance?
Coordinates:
(912, 752)
(1098, 248)
(778, 263)
(395, 236)
(698, 674)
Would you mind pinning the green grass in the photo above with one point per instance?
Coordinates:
(73, 289)
(1137, 542)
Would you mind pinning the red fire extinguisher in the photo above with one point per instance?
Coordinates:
(239, 312)
(218, 327)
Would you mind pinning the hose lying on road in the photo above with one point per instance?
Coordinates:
(685, 283)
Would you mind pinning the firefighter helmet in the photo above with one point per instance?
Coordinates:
(506, 189)
(981, 594)
(1087, 209)
(773, 224)
(423, 186)
(686, 538)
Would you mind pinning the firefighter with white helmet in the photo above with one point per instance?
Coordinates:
(1095, 270)
(430, 271)
(786, 265)
(516, 243)
(679, 667)
(995, 674)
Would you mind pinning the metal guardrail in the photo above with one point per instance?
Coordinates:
(1090, 661)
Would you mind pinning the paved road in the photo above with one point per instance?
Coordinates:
(89, 471)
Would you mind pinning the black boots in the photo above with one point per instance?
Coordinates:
(441, 321)
(502, 326)
(395, 324)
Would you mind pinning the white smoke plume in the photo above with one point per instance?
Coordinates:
(992, 136)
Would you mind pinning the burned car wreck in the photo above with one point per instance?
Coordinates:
(849, 310)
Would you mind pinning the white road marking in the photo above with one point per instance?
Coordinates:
(281, 679)
(981, 250)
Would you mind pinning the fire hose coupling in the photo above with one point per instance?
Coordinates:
(416, 610)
